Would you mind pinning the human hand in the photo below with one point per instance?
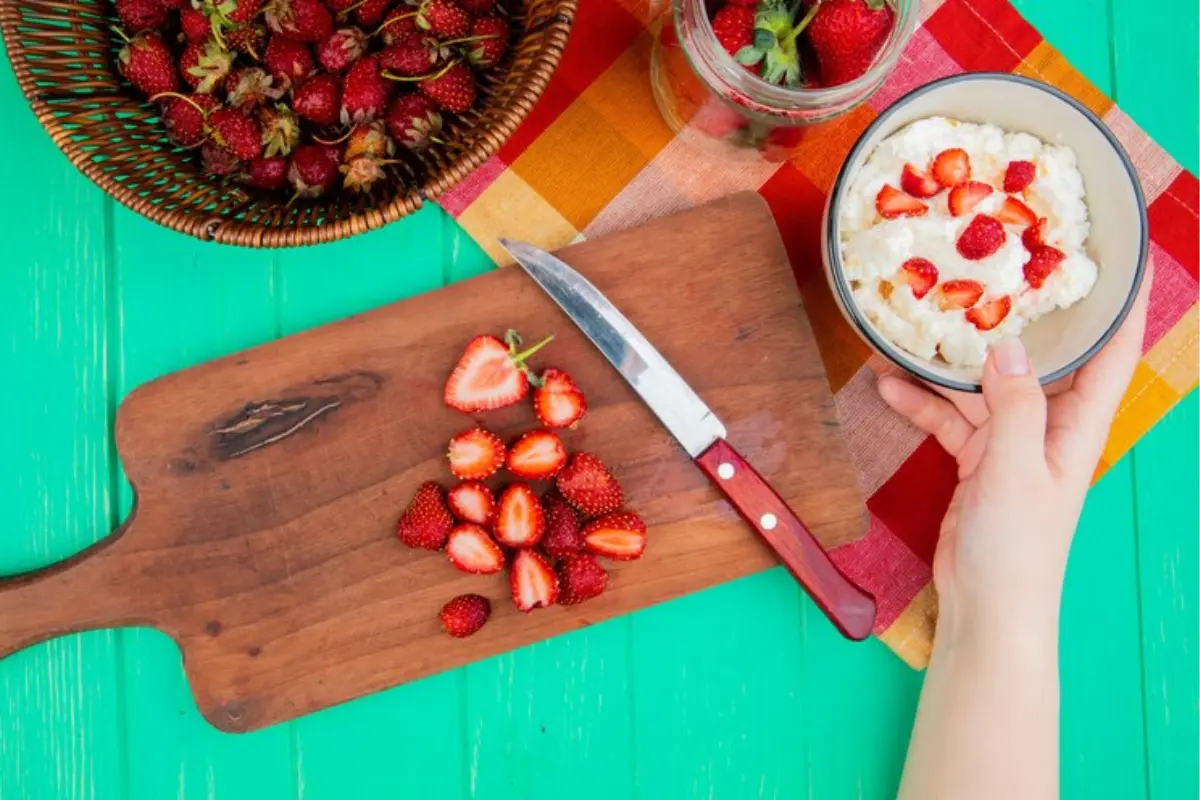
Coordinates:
(1026, 457)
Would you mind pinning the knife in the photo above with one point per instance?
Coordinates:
(701, 434)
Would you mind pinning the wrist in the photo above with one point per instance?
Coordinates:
(1024, 627)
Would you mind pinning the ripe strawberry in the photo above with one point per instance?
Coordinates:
(280, 129)
(952, 167)
(364, 92)
(492, 36)
(1018, 175)
(453, 89)
(465, 614)
(195, 24)
(959, 294)
(472, 501)
(538, 455)
(892, 203)
(314, 168)
(340, 7)
(588, 485)
(847, 35)
(966, 196)
(410, 56)
(919, 274)
(471, 549)
(620, 536)
(520, 520)
(1042, 262)
(302, 20)
(533, 583)
(398, 24)
(248, 39)
(478, 8)
(173, 5)
(289, 61)
(580, 578)
(1033, 237)
(146, 63)
(267, 174)
(141, 15)
(563, 536)
(475, 454)
(239, 134)
(558, 402)
(370, 13)
(318, 99)
(205, 65)
(426, 522)
(1014, 212)
(247, 88)
(184, 117)
(490, 374)
(413, 120)
(343, 47)
(443, 18)
(990, 314)
(983, 236)
(239, 12)
(917, 183)
(734, 27)
(217, 160)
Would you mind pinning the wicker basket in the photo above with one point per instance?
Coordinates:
(63, 54)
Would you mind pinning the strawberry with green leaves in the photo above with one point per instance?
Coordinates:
(205, 65)
(146, 62)
(444, 19)
(318, 99)
(237, 133)
(302, 20)
(289, 62)
(186, 117)
(453, 89)
(280, 129)
(487, 41)
(343, 47)
(413, 120)
(490, 374)
(847, 35)
(365, 92)
(314, 169)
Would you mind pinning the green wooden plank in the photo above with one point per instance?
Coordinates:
(1166, 475)
(59, 726)
(1081, 31)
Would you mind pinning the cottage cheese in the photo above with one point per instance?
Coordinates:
(873, 248)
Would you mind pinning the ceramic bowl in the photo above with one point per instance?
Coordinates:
(1061, 341)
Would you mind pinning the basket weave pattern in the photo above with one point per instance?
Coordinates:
(64, 57)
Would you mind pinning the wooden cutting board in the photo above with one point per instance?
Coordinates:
(268, 482)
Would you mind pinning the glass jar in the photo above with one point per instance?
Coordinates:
(699, 87)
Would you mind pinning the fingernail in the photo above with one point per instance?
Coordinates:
(1010, 356)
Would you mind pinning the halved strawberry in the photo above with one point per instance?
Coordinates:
(990, 314)
(959, 294)
(426, 521)
(920, 274)
(558, 402)
(465, 614)
(892, 203)
(588, 485)
(580, 578)
(563, 536)
(620, 536)
(471, 501)
(491, 374)
(471, 549)
(1032, 237)
(917, 183)
(966, 196)
(533, 583)
(520, 520)
(983, 236)
(952, 167)
(536, 456)
(1014, 212)
(1041, 264)
(1018, 175)
(475, 454)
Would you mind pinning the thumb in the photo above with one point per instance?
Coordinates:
(1017, 406)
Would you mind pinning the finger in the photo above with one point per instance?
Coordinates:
(969, 405)
(928, 412)
(1017, 405)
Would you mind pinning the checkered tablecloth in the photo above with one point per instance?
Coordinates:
(595, 156)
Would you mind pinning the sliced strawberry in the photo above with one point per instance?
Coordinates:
(983, 236)
(588, 485)
(920, 274)
(1032, 237)
(620, 536)
(1014, 212)
(1018, 175)
(917, 183)
(959, 294)
(580, 578)
(966, 196)
(471, 549)
(563, 536)
(490, 374)
(1041, 264)
(475, 454)
(471, 501)
(426, 521)
(465, 614)
(952, 167)
(892, 203)
(520, 521)
(538, 455)
(534, 584)
(558, 402)
(990, 314)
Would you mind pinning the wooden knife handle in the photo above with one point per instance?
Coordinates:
(850, 608)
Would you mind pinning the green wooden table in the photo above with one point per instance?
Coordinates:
(738, 692)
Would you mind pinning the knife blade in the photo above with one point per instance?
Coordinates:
(702, 435)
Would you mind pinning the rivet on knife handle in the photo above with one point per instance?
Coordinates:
(850, 608)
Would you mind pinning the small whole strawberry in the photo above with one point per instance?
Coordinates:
(491, 36)
(280, 129)
(399, 23)
(204, 66)
(370, 13)
(217, 160)
(410, 56)
(453, 89)
(580, 578)
(248, 39)
(247, 88)
(588, 485)
(426, 522)
(490, 374)
(314, 169)
(444, 19)
(847, 35)
(147, 63)
(465, 614)
(238, 12)
(196, 25)
(289, 61)
(318, 99)
(239, 134)
(185, 117)
(141, 15)
(343, 47)
(412, 120)
(302, 20)
(563, 536)
(267, 174)
(365, 92)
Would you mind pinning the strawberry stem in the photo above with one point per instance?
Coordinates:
(338, 140)
(467, 39)
(124, 37)
(808, 17)
(387, 22)
(391, 76)
(519, 358)
(184, 98)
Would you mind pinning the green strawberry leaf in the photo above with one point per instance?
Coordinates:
(748, 56)
(764, 39)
